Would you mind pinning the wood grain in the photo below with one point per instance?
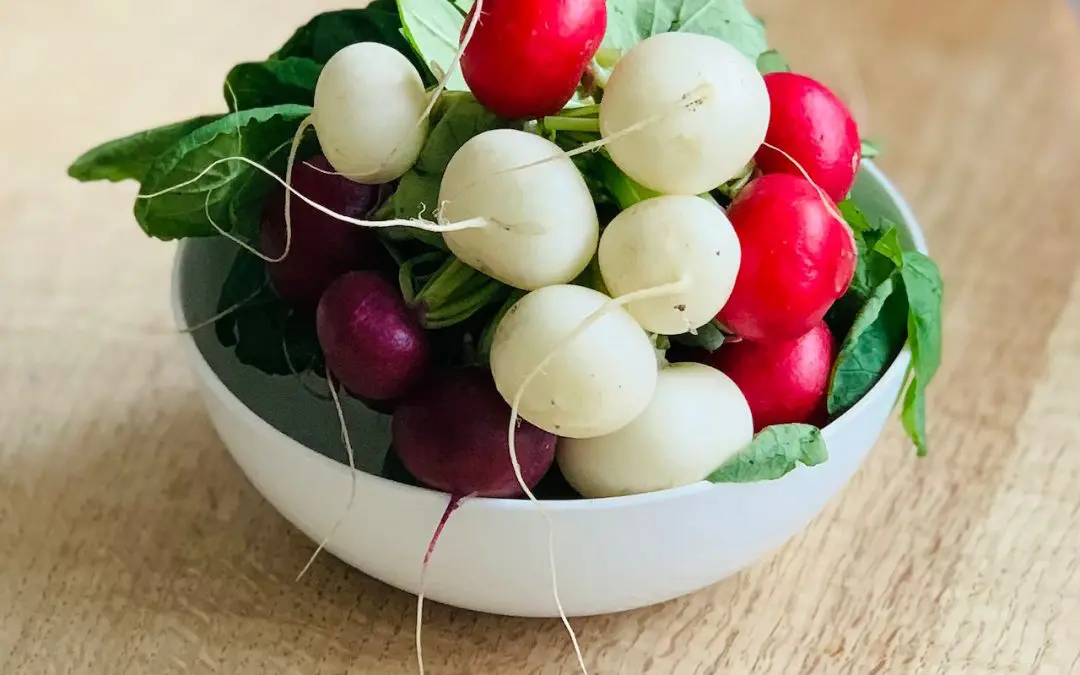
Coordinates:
(130, 544)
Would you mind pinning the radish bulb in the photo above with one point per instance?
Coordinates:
(526, 57)
(665, 238)
(683, 149)
(548, 226)
(367, 102)
(593, 384)
(696, 420)
(816, 130)
(798, 258)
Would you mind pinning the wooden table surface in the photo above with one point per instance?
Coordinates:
(131, 544)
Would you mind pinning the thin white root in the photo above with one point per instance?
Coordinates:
(673, 288)
(352, 474)
(825, 198)
(224, 313)
(478, 8)
(298, 137)
(469, 224)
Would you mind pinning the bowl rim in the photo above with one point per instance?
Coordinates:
(236, 407)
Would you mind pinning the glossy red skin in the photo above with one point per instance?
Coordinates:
(797, 259)
(784, 382)
(451, 434)
(526, 57)
(323, 248)
(372, 341)
(813, 125)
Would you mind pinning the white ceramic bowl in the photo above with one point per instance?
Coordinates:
(612, 554)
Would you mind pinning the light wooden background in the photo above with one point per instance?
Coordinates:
(130, 544)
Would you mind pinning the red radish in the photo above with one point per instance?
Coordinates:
(373, 341)
(451, 434)
(810, 123)
(526, 57)
(323, 248)
(784, 382)
(798, 258)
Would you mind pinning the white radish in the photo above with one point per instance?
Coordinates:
(695, 148)
(697, 420)
(549, 226)
(661, 239)
(592, 384)
(368, 100)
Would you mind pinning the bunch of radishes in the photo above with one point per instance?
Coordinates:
(557, 241)
(679, 115)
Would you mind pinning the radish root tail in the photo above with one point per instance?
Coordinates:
(352, 475)
(225, 312)
(452, 505)
(679, 286)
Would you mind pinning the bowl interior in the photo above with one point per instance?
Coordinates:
(283, 402)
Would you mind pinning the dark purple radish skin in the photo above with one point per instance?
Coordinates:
(451, 434)
(323, 247)
(372, 340)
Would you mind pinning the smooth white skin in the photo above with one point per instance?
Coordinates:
(697, 420)
(662, 240)
(692, 150)
(550, 224)
(595, 384)
(368, 102)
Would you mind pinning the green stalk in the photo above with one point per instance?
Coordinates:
(581, 111)
(454, 293)
(462, 309)
(563, 123)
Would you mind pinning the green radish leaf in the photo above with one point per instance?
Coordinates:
(459, 118)
(855, 217)
(874, 341)
(266, 134)
(772, 62)
(878, 252)
(246, 285)
(130, 157)
(925, 293)
(274, 82)
(433, 28)
(260, 328)
(328, 33)
(631, 21)
(888, 245)
(870, 149)
(774, 452)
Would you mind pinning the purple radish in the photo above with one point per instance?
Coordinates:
(373, 342)
(323, 247)
(452, 435)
